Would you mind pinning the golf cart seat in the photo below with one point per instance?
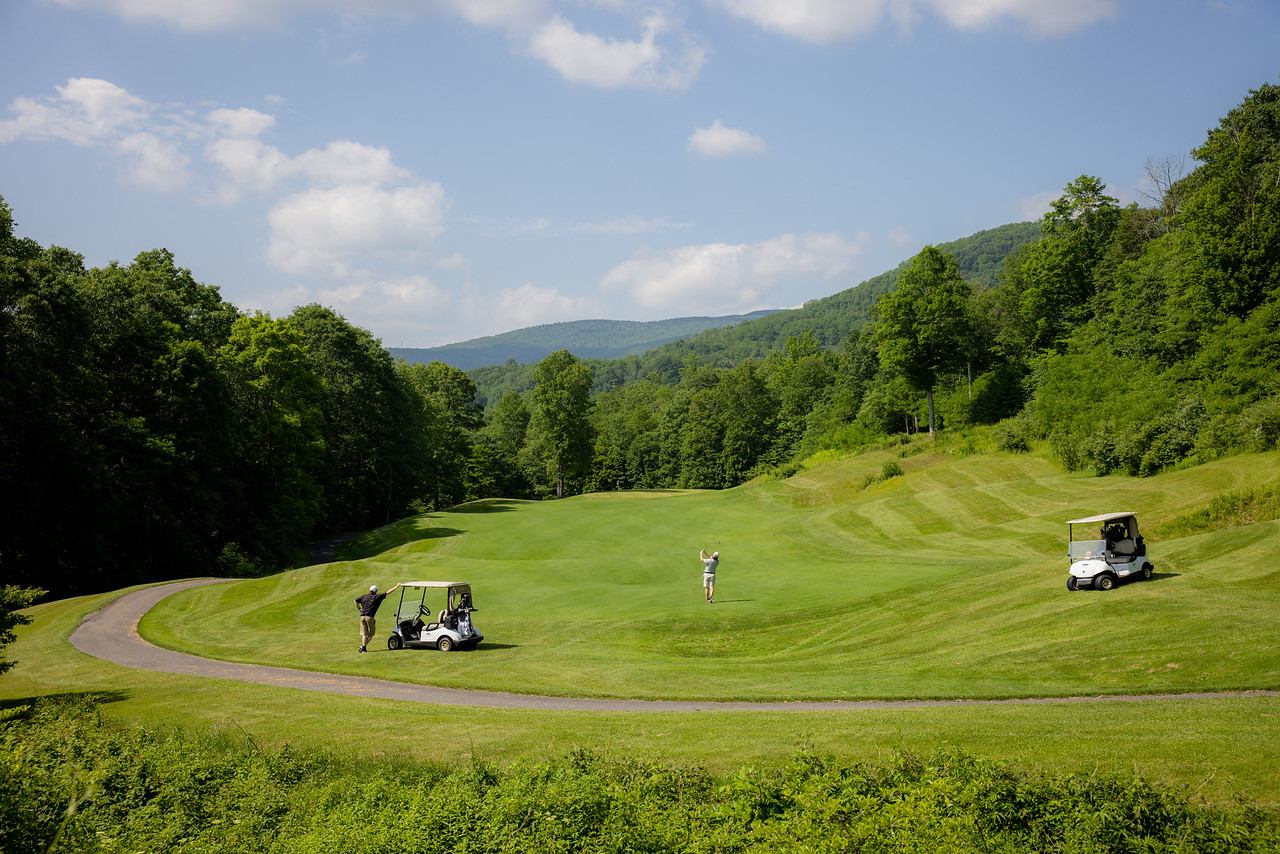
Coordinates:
(1125, 547)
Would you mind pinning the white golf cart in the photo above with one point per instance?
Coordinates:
(418, 626)
(1110, 549)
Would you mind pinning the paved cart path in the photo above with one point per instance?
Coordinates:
(111, 633)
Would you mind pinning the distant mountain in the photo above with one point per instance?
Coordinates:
(586, 339)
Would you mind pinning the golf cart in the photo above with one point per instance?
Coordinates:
(1112, 550)
(418, 626)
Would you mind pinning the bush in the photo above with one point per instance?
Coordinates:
(69, 782)
(890, 469)
(1014, 434)
(1260, 424)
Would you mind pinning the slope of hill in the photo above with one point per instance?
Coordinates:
(587, 339)
(829, 319)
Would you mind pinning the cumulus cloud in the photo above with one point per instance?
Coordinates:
(529, 305)
(1035, 207)
(824, 21)
(202, 15)
(720, 277)
(86, 111)
(608, 63)
(319, 231)
(250, 164)
(1043, 17)
(720, 141)
(240, 123)
(154, 162)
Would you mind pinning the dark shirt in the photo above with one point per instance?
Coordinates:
(369, 603)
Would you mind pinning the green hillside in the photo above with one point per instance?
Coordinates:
(946, 582)
(587, 339)
(830, 320)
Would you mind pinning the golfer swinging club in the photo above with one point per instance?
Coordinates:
(709, 565)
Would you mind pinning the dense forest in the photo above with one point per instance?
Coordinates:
(152, 430)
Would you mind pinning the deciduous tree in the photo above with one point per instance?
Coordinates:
(922, 325)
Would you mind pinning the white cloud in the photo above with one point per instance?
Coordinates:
(825, 21)
(324, 231)
(610, 64)
(241, 122)
(250, 164)
(347, 162)
(818, 21)
(153, 162)
(1043, 17)
(200, 15)
(720, 141)
(529, 305)
(1034, 207)
(86, 111)
(721, 278)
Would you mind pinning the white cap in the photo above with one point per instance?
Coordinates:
(373, 588)
(715, 554)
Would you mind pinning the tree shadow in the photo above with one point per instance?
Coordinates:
(487, 505)
(393, 537)
(96, 698)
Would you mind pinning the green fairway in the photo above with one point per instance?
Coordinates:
(946, 582)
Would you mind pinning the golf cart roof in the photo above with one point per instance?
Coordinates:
(1105, 517)
(434, 584)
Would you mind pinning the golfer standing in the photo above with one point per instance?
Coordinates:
(368, 605)
(709, 565)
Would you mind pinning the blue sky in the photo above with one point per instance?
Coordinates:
(438, 170)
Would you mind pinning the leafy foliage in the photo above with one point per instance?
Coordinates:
(69, 782)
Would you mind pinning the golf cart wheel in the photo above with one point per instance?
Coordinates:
(1071, 583)
(1147, 571)
(445, 644)
(1105, 581)
(394, 642)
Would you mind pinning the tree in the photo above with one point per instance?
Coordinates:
(450, 415)
(12, 600)
(279, 445)
(1049, 284)
(562, 403)
(369, 431)
(923, 324)
(1231, 212)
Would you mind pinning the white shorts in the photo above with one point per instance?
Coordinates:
(709, 580)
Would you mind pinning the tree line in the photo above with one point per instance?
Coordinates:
(151, 429)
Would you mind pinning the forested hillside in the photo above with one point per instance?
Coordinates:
(828, 319)
(587, 339)
(152, 430)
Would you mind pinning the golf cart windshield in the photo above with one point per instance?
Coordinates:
(415, 593)
(1100, 534)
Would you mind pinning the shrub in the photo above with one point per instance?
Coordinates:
(890, 469)
(69, 782)
(1260, 424)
